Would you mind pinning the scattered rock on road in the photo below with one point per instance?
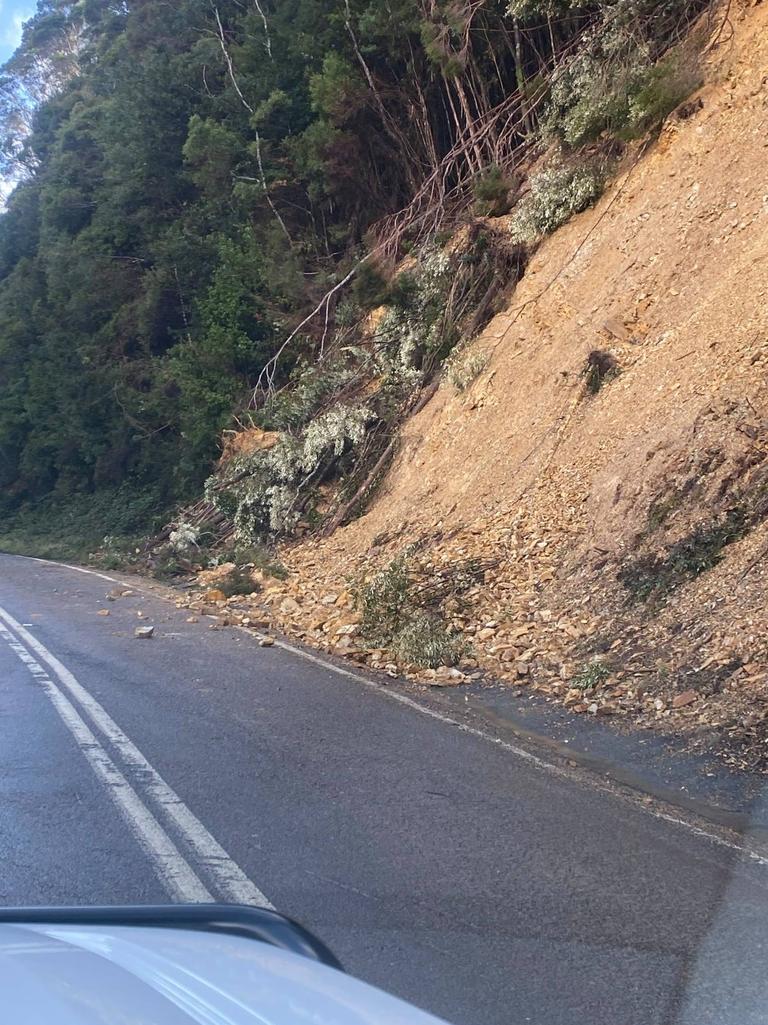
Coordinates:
(144, 632)
(266, 642)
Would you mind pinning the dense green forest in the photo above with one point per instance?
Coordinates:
(194, 179)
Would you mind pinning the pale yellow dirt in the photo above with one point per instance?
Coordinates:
(669, 272)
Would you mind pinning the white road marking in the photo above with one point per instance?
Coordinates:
(232, 883)
(173, 871)
(520, 752)
(76, 569)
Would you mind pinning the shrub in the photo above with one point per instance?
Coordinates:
(260, 558)
(165, 564)
(491, 189)
(266, 484)
(384, 602)
(600, 367)
(657, 93)
(239, 580)
(591, 675)
(252, 557)
(615, 84)
(463, 369)
(425, 642)
(413, 324)
(624, 102)
(591, 97)
(557, 192)
(310, 386)
(392, 619)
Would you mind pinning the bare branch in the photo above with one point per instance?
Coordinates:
(249, 108)
(267, 40)
(267, 375)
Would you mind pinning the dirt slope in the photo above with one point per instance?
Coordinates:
(559, 493)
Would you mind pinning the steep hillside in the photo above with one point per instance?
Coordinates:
(604, 545)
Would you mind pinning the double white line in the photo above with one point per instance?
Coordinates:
(75, 707)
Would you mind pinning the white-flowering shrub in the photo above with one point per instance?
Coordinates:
(463, 368)
(615, 81)
(184, 537)
(269, 487)
(311, 386)
(556, 193)
(590, 94)
(413, 326)
(267, 483)
(333, 430)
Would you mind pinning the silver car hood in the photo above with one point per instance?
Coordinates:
(127, 975)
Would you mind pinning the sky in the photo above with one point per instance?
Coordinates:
(13, 13)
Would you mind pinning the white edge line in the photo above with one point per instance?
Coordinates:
(76, 569)
(229, 877)
(505, 745)
(171, 868)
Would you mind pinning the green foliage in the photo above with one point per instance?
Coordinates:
(71, 528)
(618, 83)
(256, 557)
(309, 388)
(239, 580)
(600, 367)
(557, 192)
(267, 487)
(392, 619)
(385, 602)
(424, 642)
(414, 324)
(591, 676)
(210, 153)
(654, 576)
(658, 93)
(166, 565)
(336, 91)
(181, 209)
(491, 189)
(464, 368)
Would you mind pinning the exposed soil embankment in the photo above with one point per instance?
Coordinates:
(604, 545)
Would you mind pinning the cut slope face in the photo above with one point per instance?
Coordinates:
(626, 524)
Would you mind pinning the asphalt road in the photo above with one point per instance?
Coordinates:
(436, 864)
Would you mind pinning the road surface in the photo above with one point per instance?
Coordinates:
(437, 864)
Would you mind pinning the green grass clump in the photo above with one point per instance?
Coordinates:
(591, 675)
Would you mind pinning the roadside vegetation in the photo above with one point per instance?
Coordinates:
(279, 219)
(396, 617)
